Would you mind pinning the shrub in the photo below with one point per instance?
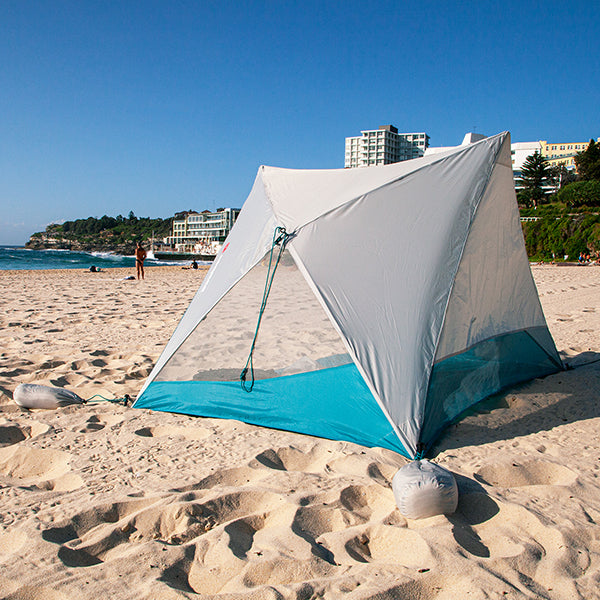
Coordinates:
(581, 193)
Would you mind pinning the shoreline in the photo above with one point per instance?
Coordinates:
(177, 267)
(35, 260)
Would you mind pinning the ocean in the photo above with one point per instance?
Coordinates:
(18, 258)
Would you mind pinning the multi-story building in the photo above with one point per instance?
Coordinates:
(383, 146)
(205, 228)
(556, 154)
(562, 153)
(520, 151)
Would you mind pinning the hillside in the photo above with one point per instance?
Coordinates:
(554, 231)
(107, 234)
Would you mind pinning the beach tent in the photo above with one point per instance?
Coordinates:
(403, 296)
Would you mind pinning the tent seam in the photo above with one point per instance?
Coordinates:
(204, 283)
(462, 250)
(374, 393)
(458, 263)
(267, 188)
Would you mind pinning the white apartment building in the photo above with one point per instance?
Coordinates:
(383, 146)
(520, 151)
(205, 227)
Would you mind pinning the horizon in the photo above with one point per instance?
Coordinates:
(151, 107)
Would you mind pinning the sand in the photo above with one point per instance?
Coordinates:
(104, 501)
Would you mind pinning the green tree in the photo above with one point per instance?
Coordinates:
(580, 193)
(588, 162)
(535, 176)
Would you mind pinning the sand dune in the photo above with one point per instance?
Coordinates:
(102, 501)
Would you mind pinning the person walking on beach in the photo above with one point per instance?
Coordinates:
(140, 256)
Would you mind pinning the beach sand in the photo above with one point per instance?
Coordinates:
(104, 501)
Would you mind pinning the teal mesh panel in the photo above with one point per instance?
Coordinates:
(460, 381)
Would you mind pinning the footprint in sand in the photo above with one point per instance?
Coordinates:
(87, 538)
(256, 550)
(135, 373)
(13, 434)
(92, 424)
(370, 502)
(97, 535)
(44, 469)
(189, 433)
(51, 364)
(389, 545)
(362, 465)
(490, 529)
(14, 372)
(64, 381)
(236, 477)
(290, 458)
(524, 473)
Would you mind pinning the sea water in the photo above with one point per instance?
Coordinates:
(18, 258)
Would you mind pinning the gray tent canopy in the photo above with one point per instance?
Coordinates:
(404, 296)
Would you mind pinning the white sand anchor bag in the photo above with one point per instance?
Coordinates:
(31, 395)
(423, 489)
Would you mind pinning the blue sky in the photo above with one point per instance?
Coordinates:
(156, 107)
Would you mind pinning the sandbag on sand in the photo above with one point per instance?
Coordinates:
(30, 395)
(423, 489)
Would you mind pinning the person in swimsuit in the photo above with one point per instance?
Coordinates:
(140, 256)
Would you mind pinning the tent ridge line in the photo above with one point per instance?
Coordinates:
(459, 261)
(387, 183)
(357, 199)
(160, 364)
(267, 188)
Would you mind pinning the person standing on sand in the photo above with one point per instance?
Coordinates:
(140, 256)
